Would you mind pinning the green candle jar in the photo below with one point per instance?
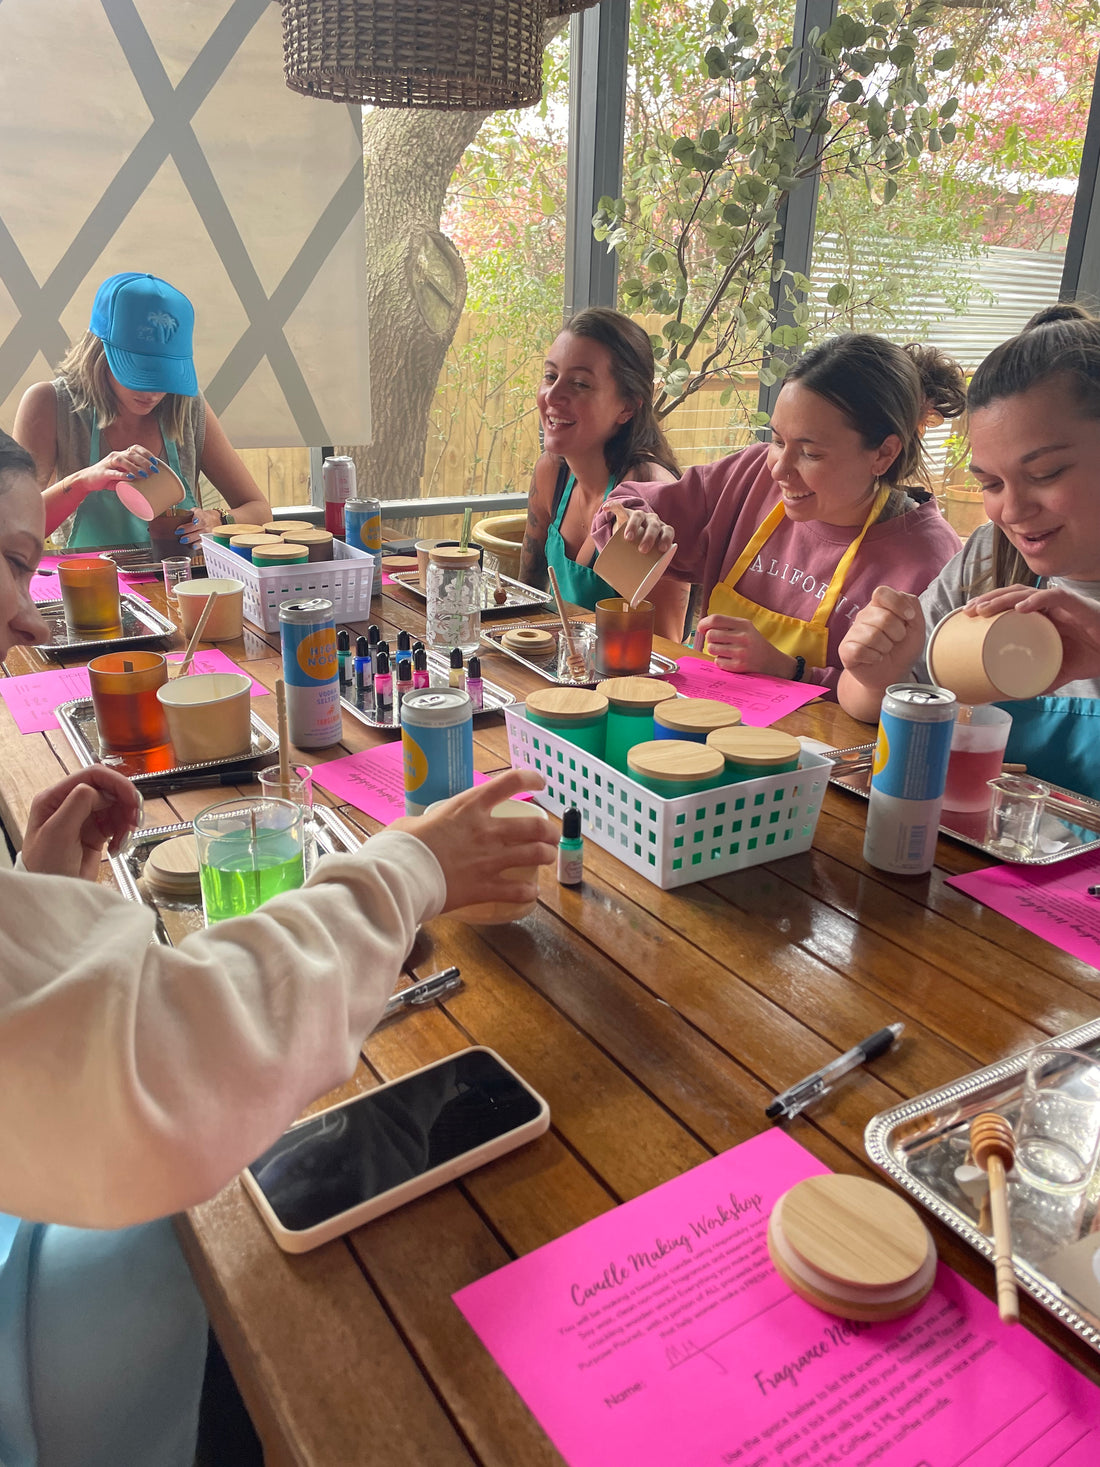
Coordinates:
(675, 767)
(630, 705)
(750, 753)
(576, 714)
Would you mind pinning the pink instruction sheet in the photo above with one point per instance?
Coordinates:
(659, 1333)
(761, 699)
(1051, 901)
(372, 780)
(33, 697)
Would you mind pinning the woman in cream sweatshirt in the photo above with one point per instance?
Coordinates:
(137, 1080)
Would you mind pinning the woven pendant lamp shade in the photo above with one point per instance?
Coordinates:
(463, 55)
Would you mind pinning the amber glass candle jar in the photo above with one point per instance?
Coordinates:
(624, 637)
(124, 695)
(89, 590)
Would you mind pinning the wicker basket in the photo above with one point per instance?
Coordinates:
(465, 55)
(568, 7)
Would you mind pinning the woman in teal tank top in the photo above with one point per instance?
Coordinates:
(125, 397)
(599, 428)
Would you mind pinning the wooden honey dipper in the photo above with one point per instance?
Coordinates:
(994, 1147)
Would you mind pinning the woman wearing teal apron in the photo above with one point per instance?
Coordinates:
(598, 428)
(126, 397)
(1034, 427)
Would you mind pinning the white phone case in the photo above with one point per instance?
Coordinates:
(302, 1240)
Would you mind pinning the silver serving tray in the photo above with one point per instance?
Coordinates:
(77, 720)
(177, 916)
(919, 1144)
(1070, 825)
(141, 624)
(553, 665)
(521, 597)
(496, 699)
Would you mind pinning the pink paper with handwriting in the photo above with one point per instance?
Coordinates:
(372, 780)
(1051, 901)
(33, 697)
(659, 1333)
(761, 699)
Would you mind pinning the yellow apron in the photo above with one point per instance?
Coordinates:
(798, 638)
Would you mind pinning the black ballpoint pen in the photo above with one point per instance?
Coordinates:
(791, 1101)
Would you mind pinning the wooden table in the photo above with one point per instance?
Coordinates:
(657, 1025)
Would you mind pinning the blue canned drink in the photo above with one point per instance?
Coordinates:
(437, 740)
(908, 777)
(311, 673)
(363, 526)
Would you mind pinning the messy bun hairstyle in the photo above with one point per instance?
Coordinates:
(882, 388)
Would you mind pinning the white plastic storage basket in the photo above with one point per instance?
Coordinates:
(672, 842)
(345, 581)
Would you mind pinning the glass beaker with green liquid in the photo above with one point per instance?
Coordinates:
(249, 850)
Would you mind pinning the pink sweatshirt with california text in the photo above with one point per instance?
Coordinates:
(715, 509)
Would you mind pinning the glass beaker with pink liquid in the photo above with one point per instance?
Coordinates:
(977, 752)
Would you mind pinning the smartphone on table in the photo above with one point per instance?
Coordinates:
(347, 1165)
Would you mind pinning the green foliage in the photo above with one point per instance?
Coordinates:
(698, 226)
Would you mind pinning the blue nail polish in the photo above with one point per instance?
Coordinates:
(154, 468)
(129, 478)
(142, 474)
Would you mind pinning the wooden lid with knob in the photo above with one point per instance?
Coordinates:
(567, 705)
(172, 867)
(675, 760)
(634, 693)
(696, 715)
(453, 557)
(852, 1247)
(755, 745)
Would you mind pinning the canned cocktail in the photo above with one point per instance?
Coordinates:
(311, 673)
(908, 777)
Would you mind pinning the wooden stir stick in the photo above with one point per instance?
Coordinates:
(200, 627)
(284, 740)
(994, 1147)
(573, 659)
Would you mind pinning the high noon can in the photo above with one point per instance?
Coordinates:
(908, 776)
(437, 740)
(363, 530)
(311, 673)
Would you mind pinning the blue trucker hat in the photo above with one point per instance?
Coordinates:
(146, 327)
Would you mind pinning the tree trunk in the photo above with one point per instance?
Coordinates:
(416, 283)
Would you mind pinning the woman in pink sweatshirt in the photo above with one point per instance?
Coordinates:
(788, 539)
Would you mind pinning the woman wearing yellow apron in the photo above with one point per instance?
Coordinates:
(788, 539)
(598, 426)
(125, 397)
(1034, 429)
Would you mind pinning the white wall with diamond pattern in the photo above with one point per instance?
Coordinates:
(159, 135)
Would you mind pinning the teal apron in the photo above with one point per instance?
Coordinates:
(1059, 741)
(103, 519)
(579, 583)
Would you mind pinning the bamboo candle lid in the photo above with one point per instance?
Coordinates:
(528, 639)
(286, 529)
(852, 1247)
(393, 563)
(312, 537)
(636, 693)
(453, 557)
(675, 760)
(223, 534)
(696, 715)
(755, 745)
(567, 705)
(250, 542)
(173, 867)
(286, 552)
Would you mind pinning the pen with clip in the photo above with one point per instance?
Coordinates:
(790, 1102)
(424, 992)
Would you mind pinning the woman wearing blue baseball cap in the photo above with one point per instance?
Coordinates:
(125, 396)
